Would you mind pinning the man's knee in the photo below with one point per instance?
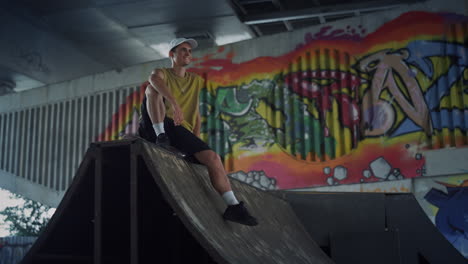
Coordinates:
(209, 157)
(152, 94)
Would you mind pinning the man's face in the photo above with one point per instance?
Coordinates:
(182, 55)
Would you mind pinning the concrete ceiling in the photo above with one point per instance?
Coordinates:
(50, 41)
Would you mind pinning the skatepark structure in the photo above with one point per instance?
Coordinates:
(132, 202)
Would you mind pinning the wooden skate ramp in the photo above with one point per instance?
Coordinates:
(132, 202)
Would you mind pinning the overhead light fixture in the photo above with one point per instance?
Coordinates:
(162, 49)
(197, 35)
(231, 38)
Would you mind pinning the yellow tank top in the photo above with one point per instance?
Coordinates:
(186, 91)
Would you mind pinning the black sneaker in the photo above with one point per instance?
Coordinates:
(239, 214)
(162, 140)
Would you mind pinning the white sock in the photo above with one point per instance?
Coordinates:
(230, 198)
(158, 128)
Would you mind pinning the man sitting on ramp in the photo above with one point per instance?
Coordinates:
(171, 118)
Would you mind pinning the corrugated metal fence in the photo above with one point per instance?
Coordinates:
(13, 249)
(45, 144)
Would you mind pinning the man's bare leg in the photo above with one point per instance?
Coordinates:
(155, 105)
(157, 112)
(218, 177)
(235, 211)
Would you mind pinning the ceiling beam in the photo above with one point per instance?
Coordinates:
(172, 22)
(322, 20)
(240, 12)
(237, 7)
(257, 30)
(249, 2)
(324, 11)
(286, 23)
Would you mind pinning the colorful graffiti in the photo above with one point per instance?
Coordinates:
(126, 119)
(345, 106)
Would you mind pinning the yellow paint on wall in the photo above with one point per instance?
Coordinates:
(271, 116)
(312, 108)
(393, 189)
(459, 180)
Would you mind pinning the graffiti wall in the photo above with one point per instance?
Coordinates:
(13, 249)
(343, 106)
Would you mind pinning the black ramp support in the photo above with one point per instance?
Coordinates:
(360, 227)
(365, 248)
(325, 213)
(420, 239)
(69, 235)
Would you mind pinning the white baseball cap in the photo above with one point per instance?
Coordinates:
(176, 42)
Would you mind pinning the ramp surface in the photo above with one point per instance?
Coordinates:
(280, 237)
(132, 202)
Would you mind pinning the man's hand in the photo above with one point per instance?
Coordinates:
(178, 115)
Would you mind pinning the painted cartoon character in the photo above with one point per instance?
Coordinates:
(388, 70)
(236, 107)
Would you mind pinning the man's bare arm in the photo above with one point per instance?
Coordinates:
(156, 80)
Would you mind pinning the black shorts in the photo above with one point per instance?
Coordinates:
(180, 138)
